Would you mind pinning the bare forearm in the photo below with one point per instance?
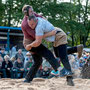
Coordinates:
(26, 42)
(52, 33)
(35, 44)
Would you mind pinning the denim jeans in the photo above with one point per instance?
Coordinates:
(62, 51)
(18, 74)
(41, 51)
(7, 73)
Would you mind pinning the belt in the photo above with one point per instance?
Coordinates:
(58, 32)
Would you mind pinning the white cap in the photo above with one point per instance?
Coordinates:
(28, 53)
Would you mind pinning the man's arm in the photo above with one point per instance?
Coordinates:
(38, 40)
(52, 33)
(36, 43)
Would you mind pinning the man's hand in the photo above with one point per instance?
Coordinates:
(51, 33)
(28, 68)
(35, 43)
(28, 47)
(8, 68)
(22, 69)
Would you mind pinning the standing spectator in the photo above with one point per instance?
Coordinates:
(19, 55)
(18, 68)
(2, 52)
(6, 48)
(13, 50)
(7, 67)
(81, 63)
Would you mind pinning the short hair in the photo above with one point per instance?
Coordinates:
(26, 8)
(32, 17)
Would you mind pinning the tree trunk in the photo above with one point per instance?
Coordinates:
(9, 18)
(85, 24)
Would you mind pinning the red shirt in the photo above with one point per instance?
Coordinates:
(27, 31)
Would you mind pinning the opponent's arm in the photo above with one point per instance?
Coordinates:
(38, 40)
(52, 33)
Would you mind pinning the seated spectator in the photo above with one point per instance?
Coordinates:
(1, 60)
(74, 66)
(45, 72)
(28, 57)
(18, 69)
(19, 55)
(85, 72)
(46, 63)
(12, 59)
(7, 67)
(39, 72)
(2, 52)
(28, 65)
(88, 61)
(72, 62)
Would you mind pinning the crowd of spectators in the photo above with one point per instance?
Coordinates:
(17, 65)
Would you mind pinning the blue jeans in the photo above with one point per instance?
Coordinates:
(18, 74)
(7, 73)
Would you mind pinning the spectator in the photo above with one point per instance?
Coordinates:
(19, 55)
(28, 57)
(12, 59)
(1, 59)
(2, 52)
(81, 63)
(18, 68)
(74, 66)
(28, 65)
(46, 64)
(7, 67)
(85, 72)
(39, 72)
(13, 50)
(73, 63)
(6, 48)
(45, 72)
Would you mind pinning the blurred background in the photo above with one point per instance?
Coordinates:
(73, 16)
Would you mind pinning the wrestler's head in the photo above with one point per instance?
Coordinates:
(27, 10)
(32, 21)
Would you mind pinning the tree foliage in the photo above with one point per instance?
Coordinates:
(71, 16)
